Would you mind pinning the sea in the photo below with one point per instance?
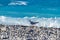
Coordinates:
(45, 12)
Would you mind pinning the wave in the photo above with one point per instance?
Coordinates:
(45, 22)
(18, 3)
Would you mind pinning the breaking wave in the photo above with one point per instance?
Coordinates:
(45, 22)
(18, 3)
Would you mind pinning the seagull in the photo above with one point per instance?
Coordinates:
(31, 22)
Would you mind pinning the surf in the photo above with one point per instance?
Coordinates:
(42, 21)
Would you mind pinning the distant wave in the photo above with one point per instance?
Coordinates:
(18, 3)
(45, 22)
(47, 3)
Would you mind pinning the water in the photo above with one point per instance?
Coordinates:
(40, 8)
(43, 10)
(22, 11)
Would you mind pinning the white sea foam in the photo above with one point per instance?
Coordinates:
(45, 22)
(18, 3)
